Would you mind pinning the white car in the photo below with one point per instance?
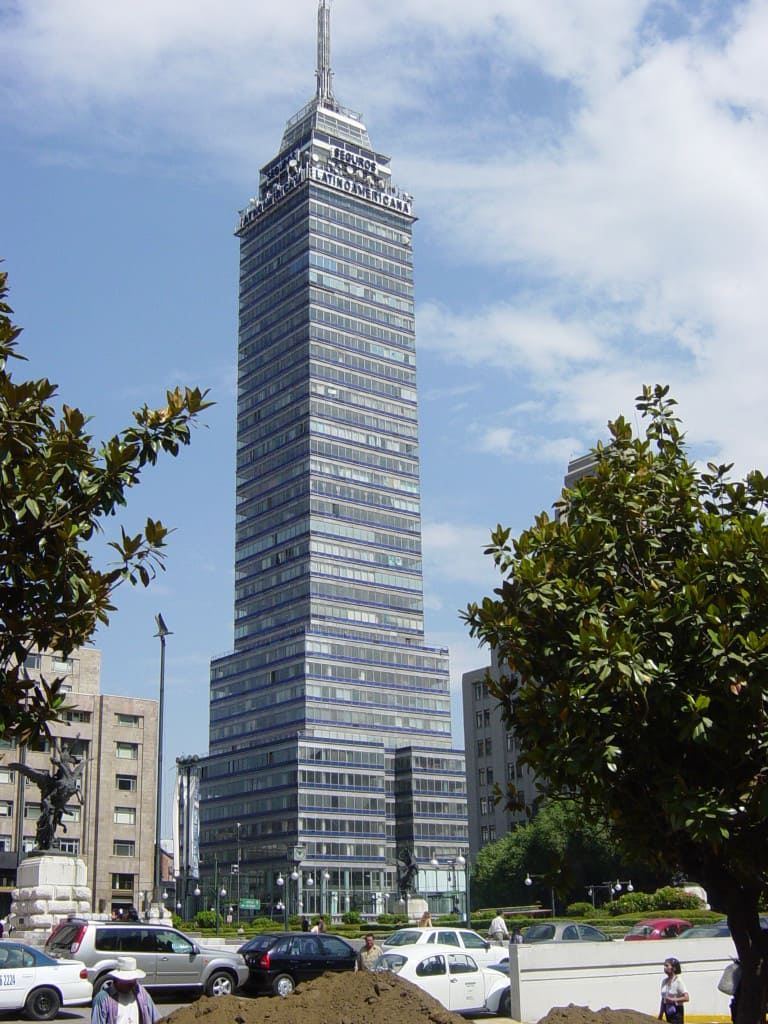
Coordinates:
(450, 976)
(484, 952)
(34, 982)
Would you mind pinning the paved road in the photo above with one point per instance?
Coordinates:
(82, 1014)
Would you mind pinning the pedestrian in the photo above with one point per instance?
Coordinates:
(368, 955)
(123, 1000)
(673, 993)
(2, 928)
(517, 936)
(305, 923)
(425, 921)
(319, 926)
(498, 929)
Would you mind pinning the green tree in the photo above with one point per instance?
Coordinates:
(632, 632)
(559, 846)
(56, 489)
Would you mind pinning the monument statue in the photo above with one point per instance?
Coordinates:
(57, 788)
(407, 873)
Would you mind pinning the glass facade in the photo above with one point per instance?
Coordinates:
(330, 700)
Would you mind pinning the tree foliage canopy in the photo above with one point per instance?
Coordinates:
(632, 635)
(56, 489)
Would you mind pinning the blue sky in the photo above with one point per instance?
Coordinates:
(590, 180)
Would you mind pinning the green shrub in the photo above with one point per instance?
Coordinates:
(581, 909)
(351, 917)
(205, 919)
(262, 922)
(392, 920)
(670, 898)
(667, 898)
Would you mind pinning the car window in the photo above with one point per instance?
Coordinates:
(590, 933)
(404, 938)
(65, 935)
(308, 946)
(473, 941)
(169, 941)
(281, 947)
(447, 939)
(124, 940)
(539, 933)
(460, 963)
(331, 946)
(431, 967)
(570, 933)
(390, 962)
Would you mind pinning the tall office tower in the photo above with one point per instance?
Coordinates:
(330, 723)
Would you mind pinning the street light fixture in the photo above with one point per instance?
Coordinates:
(161, 634)
(238, 872)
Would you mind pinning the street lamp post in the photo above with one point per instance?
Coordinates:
(529, 881)
(238, 873)
(280, 906)
(161, 634)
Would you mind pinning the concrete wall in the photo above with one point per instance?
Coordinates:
(619, 975)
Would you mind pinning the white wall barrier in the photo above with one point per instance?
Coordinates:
(620, 975)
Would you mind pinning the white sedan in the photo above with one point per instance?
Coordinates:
(480, 949)
(34, 982)
(450, 976)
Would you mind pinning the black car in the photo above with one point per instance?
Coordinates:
(278, 961)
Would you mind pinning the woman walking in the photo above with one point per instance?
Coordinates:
(673, 993)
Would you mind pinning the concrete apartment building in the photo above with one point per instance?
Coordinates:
(492, 756)
(113, 830)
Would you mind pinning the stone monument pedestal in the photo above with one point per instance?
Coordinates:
(49, 887)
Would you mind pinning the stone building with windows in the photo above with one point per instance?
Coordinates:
(492, 755)
(112, 829)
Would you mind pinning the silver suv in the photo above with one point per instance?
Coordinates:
(169, 959)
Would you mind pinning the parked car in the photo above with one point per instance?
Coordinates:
(715, 930)
(39, 985)
(707, 931)
(169, 959)
(278, 961)
(451, 976)
(564, 931)
(462, 938)
(657, 928)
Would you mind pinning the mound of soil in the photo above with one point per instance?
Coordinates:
(348, 998)
(583, 1015)
(363, 998)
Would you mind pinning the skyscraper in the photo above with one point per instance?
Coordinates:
(330, 723)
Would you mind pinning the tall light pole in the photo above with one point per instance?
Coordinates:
(529, 881)
(162, 633)
(238, 873)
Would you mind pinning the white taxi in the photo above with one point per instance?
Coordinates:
(451, 976)
(34, 982)
(481, 950)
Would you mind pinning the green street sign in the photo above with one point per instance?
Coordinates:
(248, 904)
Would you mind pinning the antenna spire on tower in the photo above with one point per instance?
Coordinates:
(324, 73)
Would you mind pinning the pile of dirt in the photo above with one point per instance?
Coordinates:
(353, 997)
(362, 998)
(582, 1015)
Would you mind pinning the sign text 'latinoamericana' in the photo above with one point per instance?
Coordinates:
(392, 201)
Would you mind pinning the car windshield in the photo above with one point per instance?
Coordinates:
(404, 937)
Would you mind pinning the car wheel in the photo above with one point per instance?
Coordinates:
(220, 983)
(42, 1003)
(99, 983)
(283, 985)
(505, 1005)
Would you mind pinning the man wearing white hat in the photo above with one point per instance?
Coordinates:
(123, 1000)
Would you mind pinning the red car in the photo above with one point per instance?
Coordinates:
(657, 928)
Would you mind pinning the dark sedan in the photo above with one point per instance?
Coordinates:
(279, 961)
